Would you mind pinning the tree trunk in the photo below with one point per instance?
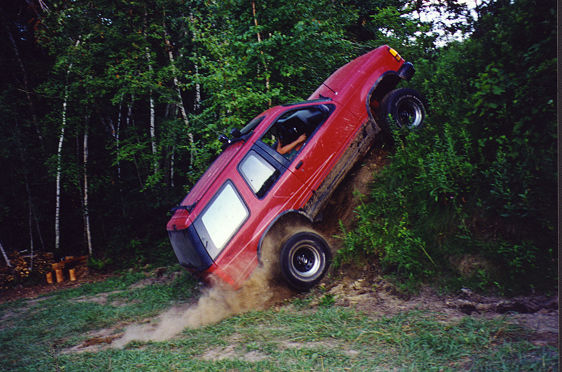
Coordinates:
(180, 104)
(85, 186)
(153, 134)
(59, 170)
(5, 255)
(128, 122)
(266, 71)
(151, 99)
(197, 103)
(172, 165)
(59, 155)
(33, 216)
(116, 135)
(31, 247)
(173, 150)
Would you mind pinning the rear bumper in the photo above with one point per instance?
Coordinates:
(189, 250)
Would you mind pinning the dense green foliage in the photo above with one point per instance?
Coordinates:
(146, 87)
(474, 194)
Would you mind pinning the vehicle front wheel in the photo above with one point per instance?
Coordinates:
(403, 108)
(305, 258)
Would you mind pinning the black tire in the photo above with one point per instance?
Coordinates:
(403, 108)
(305, 258)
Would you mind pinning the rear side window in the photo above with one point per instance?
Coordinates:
(258, 173)
(222, 218)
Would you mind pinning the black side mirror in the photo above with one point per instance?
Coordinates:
(235, 133)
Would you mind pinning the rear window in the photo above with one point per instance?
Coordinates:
(221, 219)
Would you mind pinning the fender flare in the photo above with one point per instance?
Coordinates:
(387, 82)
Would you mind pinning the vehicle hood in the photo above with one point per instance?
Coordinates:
(350, 78)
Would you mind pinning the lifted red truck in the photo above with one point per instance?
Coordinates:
(286, 163)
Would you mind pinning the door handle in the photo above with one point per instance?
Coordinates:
(299, 164)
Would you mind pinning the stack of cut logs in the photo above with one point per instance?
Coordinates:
(70, 267)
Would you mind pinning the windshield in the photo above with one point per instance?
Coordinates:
(251, 125)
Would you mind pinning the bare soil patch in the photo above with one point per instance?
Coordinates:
(366, 291)
(348, 194)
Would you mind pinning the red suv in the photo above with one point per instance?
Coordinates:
(284, 164)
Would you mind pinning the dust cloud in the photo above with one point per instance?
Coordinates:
(220, 300)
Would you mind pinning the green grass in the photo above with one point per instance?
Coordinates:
(294, 337)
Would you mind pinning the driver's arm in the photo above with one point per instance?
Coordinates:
(287, 148)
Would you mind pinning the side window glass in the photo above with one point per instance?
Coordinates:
(291, 131)
(258, 173)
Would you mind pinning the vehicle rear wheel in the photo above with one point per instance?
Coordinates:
(403, 108)
(305, 258)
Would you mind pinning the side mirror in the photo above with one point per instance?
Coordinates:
(235, 133)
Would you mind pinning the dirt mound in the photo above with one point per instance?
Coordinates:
(348, 194)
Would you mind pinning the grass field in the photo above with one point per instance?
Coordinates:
(73, 330)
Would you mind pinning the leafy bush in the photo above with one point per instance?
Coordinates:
(415, 204)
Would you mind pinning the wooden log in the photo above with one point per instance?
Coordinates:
(60, 277)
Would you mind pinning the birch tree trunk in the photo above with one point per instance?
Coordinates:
(173, 151)
(59, 155)
(31, 247)
(197, 103)
(85, 187)
(117, 133)
(153, 133)
(172, 165)
(5, 255)
(59, 169)
(151, 99)
(180, 104)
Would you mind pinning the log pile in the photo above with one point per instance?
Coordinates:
(70, 268)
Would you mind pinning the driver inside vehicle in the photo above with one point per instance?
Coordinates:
(289, 150)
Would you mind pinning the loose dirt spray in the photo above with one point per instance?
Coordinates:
(220, 300)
